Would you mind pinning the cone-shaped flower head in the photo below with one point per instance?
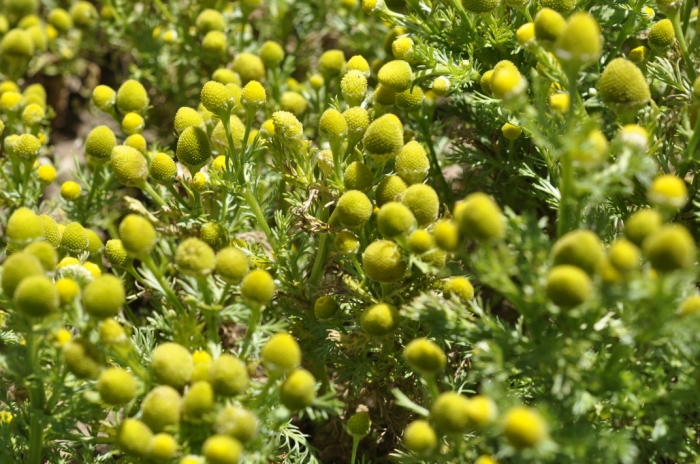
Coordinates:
(354, 209)
(132, 96)
(129, 166)
(194, 257)
(383, 262)
(396, 75)
(580, 43)
(549, 25)
(623, 87)
(661, 36)
(384, 136)
(480, 6)
(193, 148)
(137, 234)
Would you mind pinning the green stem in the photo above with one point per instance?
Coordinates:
(177, 196)
(151, 191)
(320, 259)
(431, 383)
(36, 400)
(355, 445)
(169, 294)
(255, 207)
(435, 164)
(683, 45)
(694, 139)
(255, 311)
(164, 11)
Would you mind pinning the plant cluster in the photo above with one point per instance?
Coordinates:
(471, 242)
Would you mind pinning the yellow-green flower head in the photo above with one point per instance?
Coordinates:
(647, 13)
(32, 114)
(104, 296)
(299, 390)
(219, 140)
(10, 102)
(249, 67)
(104, 97)
(411, 99)
(95, 244)
(661, 35)
(482, 411)
(383, 262)
(642, 224)
(36, 296)
(267, 129)
(524, 427)
(353, 85)
(38, 37)
(46, 174)
(354, 209)
(271, 54)
(23, 227)
(111, 332)
(623, 87)
(458, 288)
(396, 75)
(316, 81)
(136, 141)
(116, 253)
(17, 44)
(389, 189)
(17, 267)
(132, 123)
(2, 127)
(668, 6)
(132, 97)
(210, 20)
(624, 255)
(137, 234)
(162, 448)
(134, 438)
(441, 86)
(346, 242)
(281, 353)
(384, 136)
(194, 257)
(412, 163)
(83, 358)
(525, 35)
(228, 375)
(84, 14)
(231, 264)
(93, 269)
(511, 131)
(161, 408)
(193, 148)
(116, 386)
(395, 219)
(480, 218)
(324, 160)
(20, 8)
(383, 95)
(331, 63)
(36, 90)
(27, 147)
(214, 235)
(216, 98)
(449, 413)
(420, 241)
(592, 151)
(171, 364)
(253, 96)
(52, 234)
(221, 449)
(258, 287)
(326, 307)
(357, 119)
(549, 25)
(359, 424)
(162, 168)
(198, 400)
(371, 6)
(690, 306)
(423, 202)
(507, 83)
(668, 191)
(60, 19)
(670, 248)
(402, 48)
(332, 125)
(45, 253)
(226, 76)
(8, 86)
(287, 126)
(129, 166)
(68, 290)
(568, 286)
(294, 102)
(200, 182)
(580, 43)
(562, 6)
(214, 43)
(425, 357)
(580, 248)
(358, 63)
(420, 438)
(74, 238)
(480, 6)
(358, 176)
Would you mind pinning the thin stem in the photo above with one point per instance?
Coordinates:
(694, 139)
(164, 11)
(683, 45)
(435, 164)
(169, 294)
(320, 259)
(255, 207)
(177, 196)
(151, 191)
(255, 311)
(355, 445)
(36, 400)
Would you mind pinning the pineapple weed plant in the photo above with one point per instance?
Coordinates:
(287, 269)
